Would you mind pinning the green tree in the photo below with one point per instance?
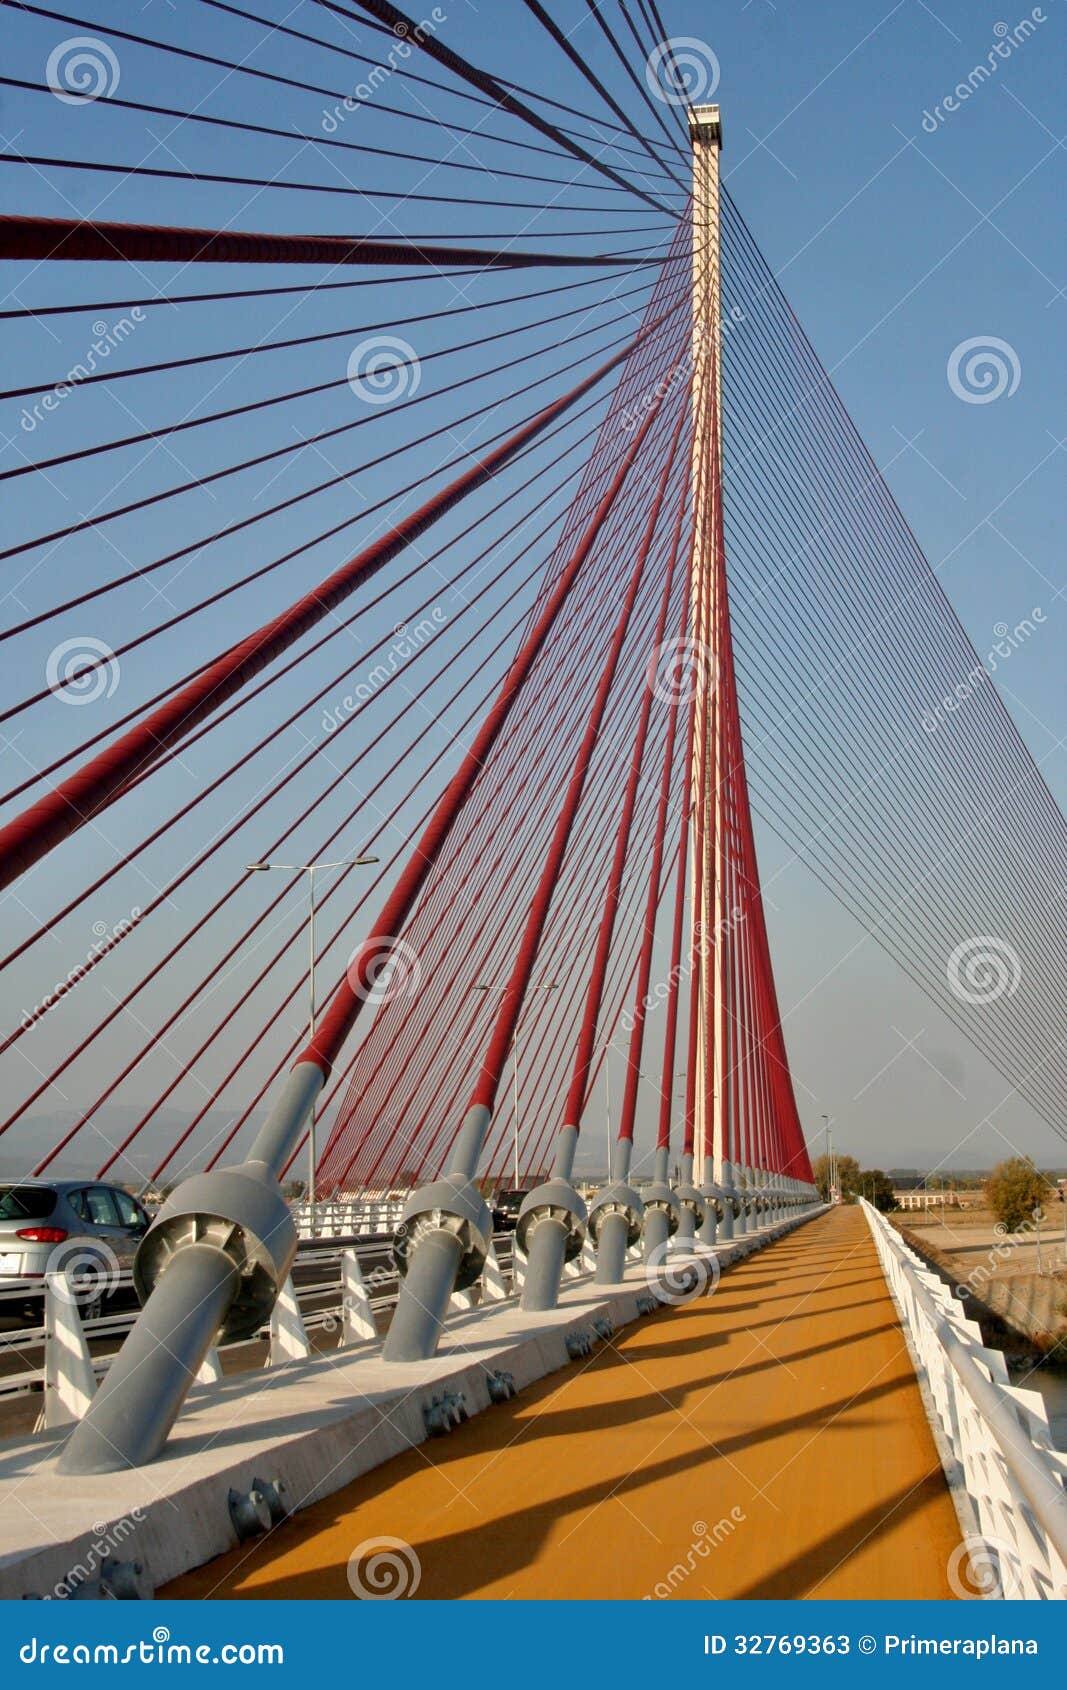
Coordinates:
(877, 1187)
(848, 1176)
(1014, 1190)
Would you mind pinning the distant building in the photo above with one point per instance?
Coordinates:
(910, 1198)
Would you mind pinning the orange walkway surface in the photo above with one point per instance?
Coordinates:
(768, 1440)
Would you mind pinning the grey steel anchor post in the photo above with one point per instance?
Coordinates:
(663, 1212)
(715, 1209)
(615, 1218)
(441, 1245)
(211, 1264)
(730, 1202)
(551, 1227)
(693, 1207)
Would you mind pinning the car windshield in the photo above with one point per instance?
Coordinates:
(26, 1202)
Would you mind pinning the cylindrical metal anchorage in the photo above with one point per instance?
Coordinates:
(612, 1239)
(441, 1246)
(690, 1201)
(214, 1259)
(663, 1217)
(658, 1233)
(615, 1221)
(548, 1252)
(715, 1226)
(729, 1202)
(551, 1229)
(137, 1404)
(423, 1302)
(745, 1217)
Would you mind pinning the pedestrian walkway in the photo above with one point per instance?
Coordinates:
(768, 1440)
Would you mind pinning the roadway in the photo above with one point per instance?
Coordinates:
(766, 1441)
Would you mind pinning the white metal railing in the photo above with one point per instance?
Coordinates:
(348, 1219)
(321, 1304)
(1001, 1451)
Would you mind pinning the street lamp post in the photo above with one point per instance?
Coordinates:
(831, 1181)
(310, 870)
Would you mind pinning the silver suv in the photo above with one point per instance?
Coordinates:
(88, 1229)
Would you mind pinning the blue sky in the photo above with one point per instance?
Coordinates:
(895, 243)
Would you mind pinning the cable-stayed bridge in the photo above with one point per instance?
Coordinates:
(488, 568)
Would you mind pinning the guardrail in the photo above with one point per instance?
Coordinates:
(320, 1303)
(348, 1219)
(994, 1436)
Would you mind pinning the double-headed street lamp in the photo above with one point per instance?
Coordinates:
(550, 986)
(310, 869)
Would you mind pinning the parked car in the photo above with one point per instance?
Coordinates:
(89, 1229)
(506, 1210)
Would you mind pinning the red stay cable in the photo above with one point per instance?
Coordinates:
(90, 789)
